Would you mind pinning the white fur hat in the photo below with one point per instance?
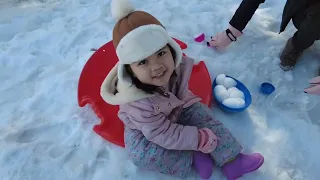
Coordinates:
(136, 36)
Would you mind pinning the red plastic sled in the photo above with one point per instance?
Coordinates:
(93, 74)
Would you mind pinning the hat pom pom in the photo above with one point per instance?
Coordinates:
(121, 9)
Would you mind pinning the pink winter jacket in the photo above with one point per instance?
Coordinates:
(156, 116)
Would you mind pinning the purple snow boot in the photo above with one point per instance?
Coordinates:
(203, 164)
(241, 165)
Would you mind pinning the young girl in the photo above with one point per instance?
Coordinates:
(167, 129)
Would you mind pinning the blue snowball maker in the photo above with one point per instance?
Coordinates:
(267, 88)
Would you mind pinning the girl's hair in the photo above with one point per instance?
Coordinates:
(150, 89)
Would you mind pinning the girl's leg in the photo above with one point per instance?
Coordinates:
(228, 154)
(147, 155)
(201, 116)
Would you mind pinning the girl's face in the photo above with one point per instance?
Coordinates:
(156, 69)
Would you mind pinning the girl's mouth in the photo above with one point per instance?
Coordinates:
(159, 75)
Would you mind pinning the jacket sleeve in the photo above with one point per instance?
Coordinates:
(161, 131)
(244, 13)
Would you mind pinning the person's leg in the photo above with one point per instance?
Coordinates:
(308, 24)
(289, 56)
(201, 116)
(228, 154)
(147, 155)
(308, 28)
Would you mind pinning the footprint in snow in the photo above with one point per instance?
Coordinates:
(48, 133)
(57, 152)
(103, 155)
(80, 38)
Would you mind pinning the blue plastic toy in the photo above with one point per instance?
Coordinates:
(242, 88)
(267, 88)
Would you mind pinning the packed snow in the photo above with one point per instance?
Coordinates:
(44, 45)
(235, 92)
(227, 93)
(221, 93)
(227, 82)
(234, 102)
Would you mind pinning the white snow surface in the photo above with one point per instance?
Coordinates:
(44, 45)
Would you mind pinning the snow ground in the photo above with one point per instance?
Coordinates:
(45, 43)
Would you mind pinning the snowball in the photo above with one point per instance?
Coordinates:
(221, 93)
(233, 89)
(234, 102)
(229, 82)
(220, 79)
(235, 93)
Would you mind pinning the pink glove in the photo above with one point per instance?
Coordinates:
(315, 86)
(223, 39)
(208, 141)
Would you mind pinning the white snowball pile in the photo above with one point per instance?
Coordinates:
(227, 93)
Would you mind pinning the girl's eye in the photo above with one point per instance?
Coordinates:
(161, 53)
(142, 62)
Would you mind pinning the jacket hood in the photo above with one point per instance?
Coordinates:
(116, 92)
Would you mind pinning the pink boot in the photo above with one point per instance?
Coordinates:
(203, 164)
(241, 165)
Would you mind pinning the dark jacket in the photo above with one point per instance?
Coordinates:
(244, 13)
(248, 7)
(291, 8)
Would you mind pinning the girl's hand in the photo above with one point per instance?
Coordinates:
(208, 141)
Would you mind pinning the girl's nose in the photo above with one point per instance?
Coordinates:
(157, 68)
